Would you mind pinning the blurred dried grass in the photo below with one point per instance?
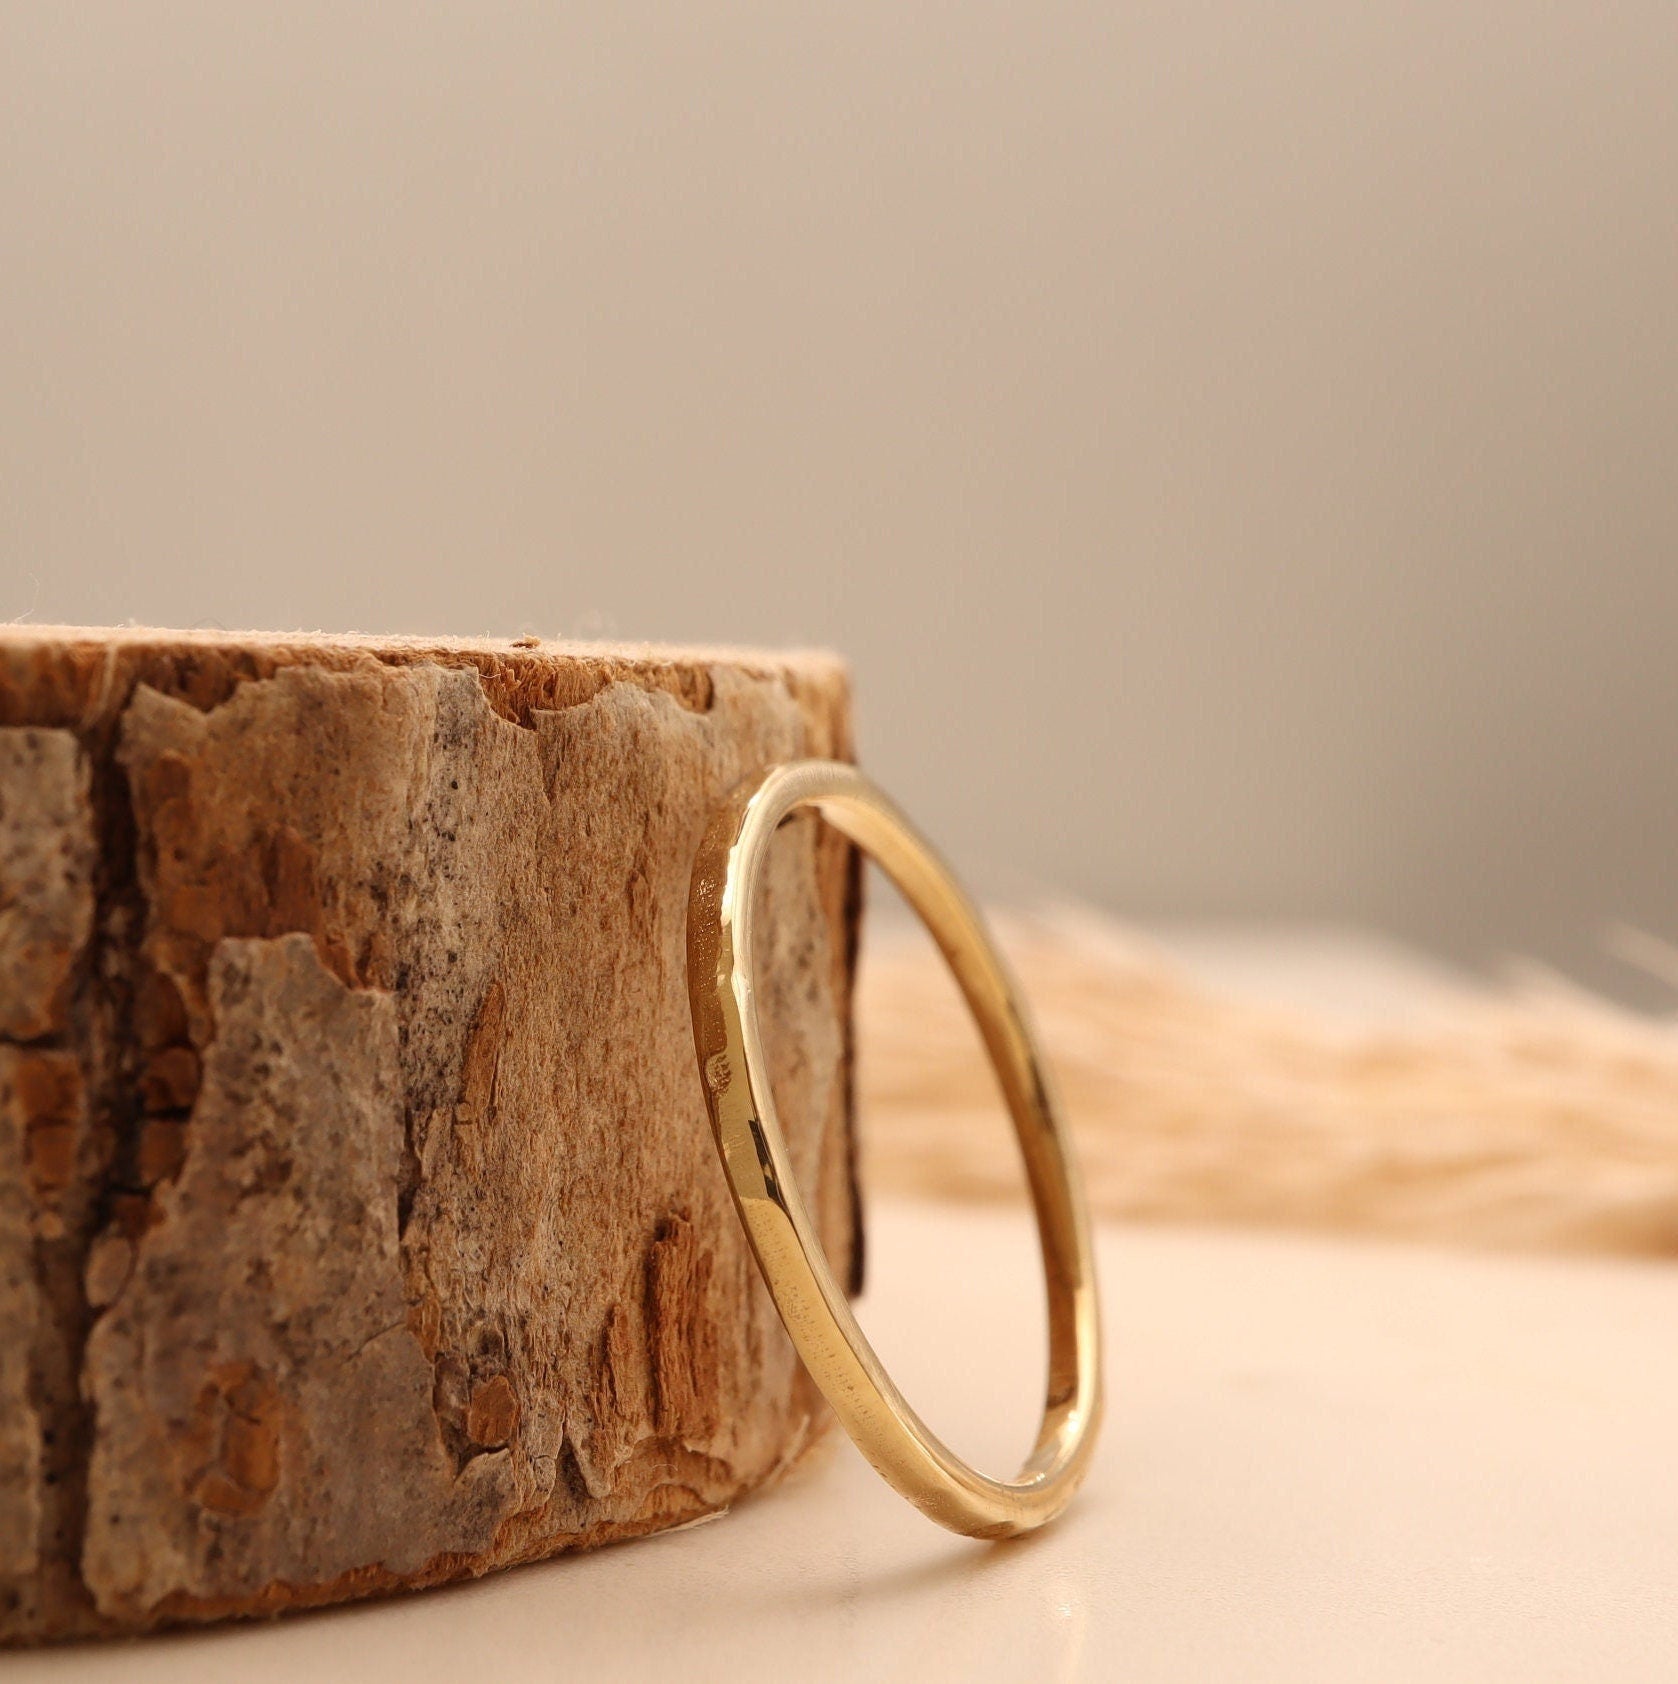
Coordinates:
(1533, 1116)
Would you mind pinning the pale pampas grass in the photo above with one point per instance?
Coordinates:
(1535, 1116)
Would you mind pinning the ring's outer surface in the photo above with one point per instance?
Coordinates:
(812, 1305)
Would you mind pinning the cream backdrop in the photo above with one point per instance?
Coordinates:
(1235, 443)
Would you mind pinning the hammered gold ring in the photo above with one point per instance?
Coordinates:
(817, 1314)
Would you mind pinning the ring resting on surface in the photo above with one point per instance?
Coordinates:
(814, 1308)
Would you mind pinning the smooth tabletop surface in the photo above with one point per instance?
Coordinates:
(1322, 1460)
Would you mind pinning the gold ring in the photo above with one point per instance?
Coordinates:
(817, 1314)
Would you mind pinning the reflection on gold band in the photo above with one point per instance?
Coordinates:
(815, 1310)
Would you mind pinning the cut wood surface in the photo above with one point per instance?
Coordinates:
(360, 1225)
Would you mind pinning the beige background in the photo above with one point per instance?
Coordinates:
(1235, 443)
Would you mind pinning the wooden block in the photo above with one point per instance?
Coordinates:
(360, 1226)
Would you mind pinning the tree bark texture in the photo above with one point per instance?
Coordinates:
(360, 1225)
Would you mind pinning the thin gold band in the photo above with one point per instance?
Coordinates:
(811, 1303)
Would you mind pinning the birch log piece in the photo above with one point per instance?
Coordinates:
(360, 1226)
